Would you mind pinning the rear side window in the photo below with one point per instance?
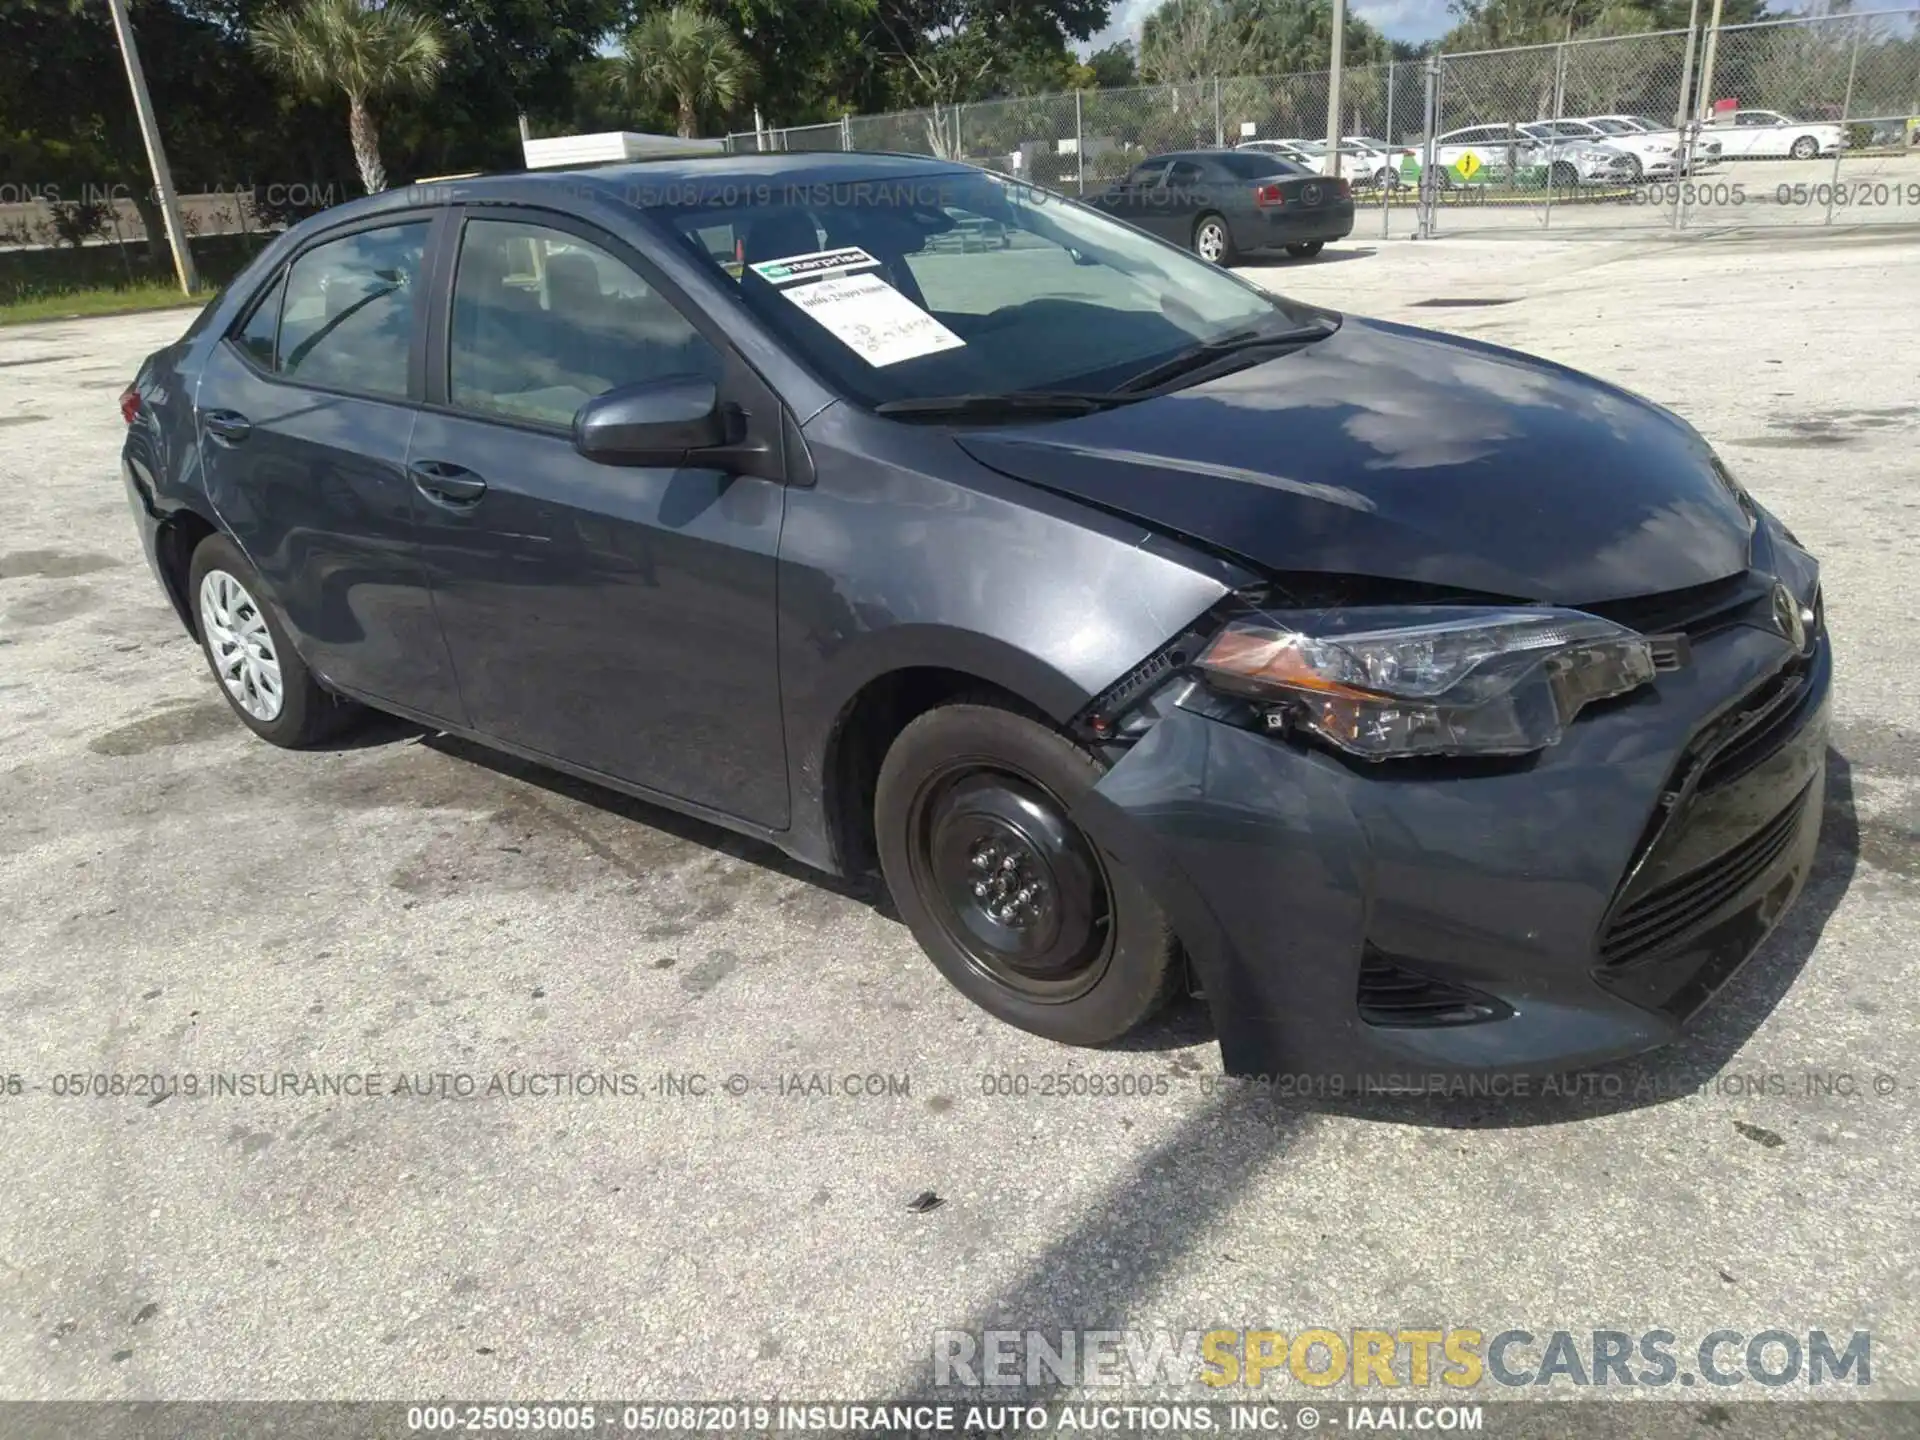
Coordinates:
(257, 335)
(348, 316)
(1255, 165)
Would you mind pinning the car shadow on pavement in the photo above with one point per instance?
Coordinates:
(1134, 1239)
(1283, 261)
(655, 817)
(1690, 1064)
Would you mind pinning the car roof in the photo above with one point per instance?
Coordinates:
(650, 183)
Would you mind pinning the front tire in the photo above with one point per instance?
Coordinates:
(1213, 241)
(247, 647)
(1014, 904)
(1805, 148)
(1306, 249)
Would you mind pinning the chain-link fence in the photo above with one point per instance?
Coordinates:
(1804, 121)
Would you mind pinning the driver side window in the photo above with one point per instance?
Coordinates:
(544, 321)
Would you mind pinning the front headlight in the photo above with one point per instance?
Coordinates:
(1427, 680)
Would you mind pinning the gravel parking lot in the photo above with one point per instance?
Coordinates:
(178, 899)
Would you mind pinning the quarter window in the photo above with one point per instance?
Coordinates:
(349, 313)
(257, 335)
(544, 321)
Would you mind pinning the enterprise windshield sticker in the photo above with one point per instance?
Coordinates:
(873, 319)
(816, 265)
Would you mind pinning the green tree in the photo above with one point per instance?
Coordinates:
(365, 52)
(688, 59)
(1199, 39)
(1116, 67)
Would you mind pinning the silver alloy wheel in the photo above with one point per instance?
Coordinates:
(241, 646)
(1211, 242)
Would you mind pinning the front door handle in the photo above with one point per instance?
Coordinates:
(448, 483)
(228, 425)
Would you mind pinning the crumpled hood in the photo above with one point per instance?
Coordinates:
(1400, 453)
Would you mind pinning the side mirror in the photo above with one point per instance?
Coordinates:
(656, 422)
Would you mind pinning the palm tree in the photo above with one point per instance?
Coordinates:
(686, 59)
(366, 50)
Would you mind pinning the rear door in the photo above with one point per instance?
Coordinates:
(305, 412)
(1175, 201)
(1126, 199)
(617, 618)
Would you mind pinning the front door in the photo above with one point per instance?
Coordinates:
(305, 413)
(617, 618)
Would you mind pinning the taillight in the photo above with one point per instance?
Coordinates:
(1267, 195)
(1345, 191)
(129, 404)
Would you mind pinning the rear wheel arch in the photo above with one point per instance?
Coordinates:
(178, 536)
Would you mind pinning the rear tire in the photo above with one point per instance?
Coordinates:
(1014, 904)
(251, 655)
(1213, 241)
(1306, 249)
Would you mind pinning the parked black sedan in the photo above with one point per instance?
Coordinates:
(1226, 203)
(1444, 709)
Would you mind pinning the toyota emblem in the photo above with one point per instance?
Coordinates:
(1786, 615)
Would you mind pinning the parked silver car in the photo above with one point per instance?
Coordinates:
(1573, 160)
(1625, 130)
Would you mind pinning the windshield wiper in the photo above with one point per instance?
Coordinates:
(1013, 402)
(1207, 352)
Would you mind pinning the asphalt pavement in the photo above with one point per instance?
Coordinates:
(716, 1209)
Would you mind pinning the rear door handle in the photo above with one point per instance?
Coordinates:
(228, 425)
(448, 483)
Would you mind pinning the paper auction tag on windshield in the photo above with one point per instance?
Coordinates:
(873, 319)
(815, 265)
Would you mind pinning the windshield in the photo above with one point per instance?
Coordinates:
(1646, 124)
(961, 282)
(1613, 127)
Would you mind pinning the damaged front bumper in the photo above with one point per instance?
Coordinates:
(1392, 923)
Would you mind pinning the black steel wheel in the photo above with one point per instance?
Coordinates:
(1013, 902)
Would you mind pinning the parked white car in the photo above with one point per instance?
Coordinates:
(1654, 158)
(1286, 149)
(1500, 150)
(1365, 160)
(1619, 128)
(1580, 159)
(1769, 135)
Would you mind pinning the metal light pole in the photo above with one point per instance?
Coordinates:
(1707, 62)
(1683, 110)
(156, 152)
(1684, 125)
(1333, 87)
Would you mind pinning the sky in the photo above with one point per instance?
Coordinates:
(1411, 20)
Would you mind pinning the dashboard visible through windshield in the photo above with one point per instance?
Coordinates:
(963, 282)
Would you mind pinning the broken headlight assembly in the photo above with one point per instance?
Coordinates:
(1387, 683)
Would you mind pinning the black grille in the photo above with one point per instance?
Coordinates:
(1693, 612)
(1392, 994)
(1766, 720)
(1670, 912)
